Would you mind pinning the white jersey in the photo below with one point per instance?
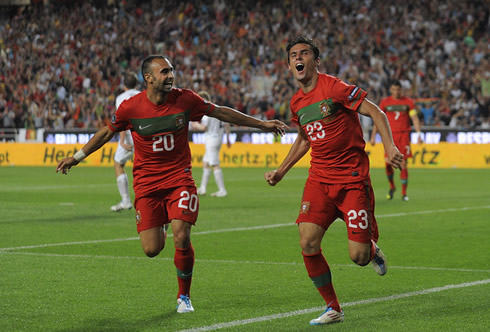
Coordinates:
(119, 99)
(214, 127)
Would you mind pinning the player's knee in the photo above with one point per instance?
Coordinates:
(360, 258)
(151, 251)
(309, 245)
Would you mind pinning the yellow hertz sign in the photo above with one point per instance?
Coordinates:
(442, 155)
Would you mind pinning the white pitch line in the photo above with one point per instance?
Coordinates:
(235, 229)
(348, 304)
(137, 238)
(68, 243)
(225, 261)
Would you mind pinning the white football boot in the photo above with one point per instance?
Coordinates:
(184, 304)
(379, 262)
(329, 316)
(221, 193)
(121, 206)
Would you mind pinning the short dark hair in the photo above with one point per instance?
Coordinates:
(130, 80)
(303, 40)
(145, 66)
(396, 83)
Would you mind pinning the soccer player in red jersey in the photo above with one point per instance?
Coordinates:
(165, 191)
(326, 112)
(399, 110)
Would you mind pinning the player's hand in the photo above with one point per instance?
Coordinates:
(394, 157)
(65, 165)
(228, 144)
(272, 177)
(275, 126)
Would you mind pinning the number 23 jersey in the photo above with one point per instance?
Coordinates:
(328, 116)
(162, 157)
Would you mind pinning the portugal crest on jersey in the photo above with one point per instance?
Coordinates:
(325, 109)
(180, 121)
(305, 207)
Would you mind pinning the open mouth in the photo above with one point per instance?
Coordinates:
(300, 67)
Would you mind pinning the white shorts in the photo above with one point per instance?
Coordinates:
(122, 155)
(211, 155)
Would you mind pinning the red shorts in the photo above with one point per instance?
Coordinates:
(352, 202)
(402, 142)
(161, 207)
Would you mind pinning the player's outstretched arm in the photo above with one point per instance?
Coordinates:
(300, 147)
(231, 115)
(101, 137)
(416, 124)
(380, 120)
(373, 136)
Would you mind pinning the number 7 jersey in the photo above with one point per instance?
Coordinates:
(162, 157)
(328, 116)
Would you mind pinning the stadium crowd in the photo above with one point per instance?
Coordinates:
(61, 63)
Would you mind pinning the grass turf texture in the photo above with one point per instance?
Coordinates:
(438, 238)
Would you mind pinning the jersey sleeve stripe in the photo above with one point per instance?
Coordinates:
(355, 100)
(114, 128)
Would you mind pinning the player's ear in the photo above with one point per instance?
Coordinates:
(148, 78)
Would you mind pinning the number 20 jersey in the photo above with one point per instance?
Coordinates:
(328, 116)
(162, 157)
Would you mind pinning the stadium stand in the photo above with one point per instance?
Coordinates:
(61, 61)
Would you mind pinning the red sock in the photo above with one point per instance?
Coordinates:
(184, 262)
(404, 180)
(389, 175)
(319, 273)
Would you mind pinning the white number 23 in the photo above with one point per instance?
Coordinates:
(358, 218)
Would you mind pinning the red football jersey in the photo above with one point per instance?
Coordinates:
(162, 157)
(398, 112)
(328, 116)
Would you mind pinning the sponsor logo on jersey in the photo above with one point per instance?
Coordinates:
(305, 207)
(180, 121)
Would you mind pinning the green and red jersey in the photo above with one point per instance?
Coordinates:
(162, 157)
(328, 116)
(398, 113)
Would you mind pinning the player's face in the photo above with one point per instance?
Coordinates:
(396, 91)
(302, 62)
(162, 76)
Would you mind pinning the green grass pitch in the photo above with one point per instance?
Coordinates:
(67, 263)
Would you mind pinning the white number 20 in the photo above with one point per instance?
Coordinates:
(363, 218)
(168, 143)
(188, 201)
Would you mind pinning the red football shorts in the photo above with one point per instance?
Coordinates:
(402, 142)
(161, 207)
(352, 202)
